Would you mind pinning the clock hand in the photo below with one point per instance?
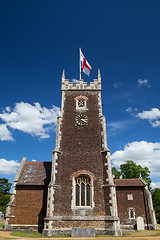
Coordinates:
(83, 120)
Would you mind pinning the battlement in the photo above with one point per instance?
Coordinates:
(81, 85)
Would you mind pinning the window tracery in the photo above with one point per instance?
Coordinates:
(81, 103)
(83, 191)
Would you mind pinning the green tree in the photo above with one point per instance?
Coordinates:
(156, 202)
(116, 173)
(5, 187)
(131, 170)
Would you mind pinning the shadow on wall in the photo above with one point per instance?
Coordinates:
(42, 213)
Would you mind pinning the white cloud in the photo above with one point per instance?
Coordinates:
(8, 167)
(154, 113)
(115, 127)
(151, 115)
(155, 124)
(5, 134)
(146, 154)
(117, 84)
(155, 185)
(74, 80)
(8, 109)
(144, 82)
(31, 119)
(130, 109)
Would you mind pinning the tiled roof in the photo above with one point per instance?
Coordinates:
(135, 182)
(35, 173)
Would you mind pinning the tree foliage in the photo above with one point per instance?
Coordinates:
(5, 187)
(131, 170)
(156, 202)
(116, 173)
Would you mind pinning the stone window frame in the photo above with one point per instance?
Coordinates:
(85, 200)
(130, 197)
(132, 209)
(79, 98)
(74, 176)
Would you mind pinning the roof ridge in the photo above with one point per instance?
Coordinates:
(38, 161)
(126, 178)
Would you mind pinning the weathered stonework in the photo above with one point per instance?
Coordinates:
(141, 202)
(44, 195)
(27, 207)
(9, 215)
(152, 224)
(81, 151)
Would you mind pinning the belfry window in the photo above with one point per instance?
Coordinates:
(81, 103)
(83, 191)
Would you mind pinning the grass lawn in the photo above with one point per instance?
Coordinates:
(137, 233)
(146, 233)
(33, 235)
(1, 223)
(134, 234)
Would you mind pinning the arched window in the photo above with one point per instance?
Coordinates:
(83, 191)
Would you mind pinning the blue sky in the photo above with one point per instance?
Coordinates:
(41, 38)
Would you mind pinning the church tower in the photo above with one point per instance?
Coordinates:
(81, 192)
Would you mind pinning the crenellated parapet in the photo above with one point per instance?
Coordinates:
(80, 84)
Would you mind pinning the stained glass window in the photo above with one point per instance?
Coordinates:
(77, 195)
(83, 191)
(88, 194)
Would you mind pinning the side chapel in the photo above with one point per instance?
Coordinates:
(77, 188)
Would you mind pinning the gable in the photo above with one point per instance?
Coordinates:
(35, 173)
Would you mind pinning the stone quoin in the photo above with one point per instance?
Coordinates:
(77, 189)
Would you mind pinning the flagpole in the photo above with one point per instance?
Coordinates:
(79, 63)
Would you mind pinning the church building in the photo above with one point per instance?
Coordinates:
(77, 189)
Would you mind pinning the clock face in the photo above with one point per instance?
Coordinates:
(81, 120)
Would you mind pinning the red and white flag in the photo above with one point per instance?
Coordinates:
(86, 68)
